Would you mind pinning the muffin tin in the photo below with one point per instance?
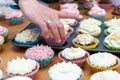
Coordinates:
(68, 42)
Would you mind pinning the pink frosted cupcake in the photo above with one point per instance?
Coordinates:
(41, 54)
(97, 13)
(74, 55)
(4, 32)
(22, 67)
(1, 41)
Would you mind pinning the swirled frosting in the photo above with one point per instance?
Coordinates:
(113, 40)
(116, 10)
(84, 39)
(113, 29)
(21, 66)
(89, 29)
(19, 78)
(3, 30)
(103, 59)
(65, 71)
(73, 53)
(68, 21)
(106, 75)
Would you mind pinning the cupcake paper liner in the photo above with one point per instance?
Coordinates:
(110, 47)
(78, 62)
(106, 33)
(116, 16)
(87, 47)
(31, 74)
(15, 21)
(98, 17)
(97, 68)
(51, 42)
(44, 62)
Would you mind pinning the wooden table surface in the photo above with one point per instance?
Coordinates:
(10, 52)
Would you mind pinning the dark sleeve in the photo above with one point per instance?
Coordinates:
(15, 6)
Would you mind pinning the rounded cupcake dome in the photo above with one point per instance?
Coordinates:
(41, 54)
(19, 78)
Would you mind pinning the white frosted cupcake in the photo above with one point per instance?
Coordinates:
(65, 71)
(85, 41)
(2, 77)
(1, 42)
(106, 75)
(112, 41)
(22, 67)
(74, 55)
(93, 30)
(19, 78)
(27, 37)
(103, 61)
(71, 22)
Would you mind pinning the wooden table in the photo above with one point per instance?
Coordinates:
(10, 52)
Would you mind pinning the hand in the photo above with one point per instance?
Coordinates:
(46, 18)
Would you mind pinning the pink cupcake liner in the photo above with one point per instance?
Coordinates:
(51, 42)
(78, 62)
(31, 74)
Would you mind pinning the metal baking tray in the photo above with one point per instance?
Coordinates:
(68, 42)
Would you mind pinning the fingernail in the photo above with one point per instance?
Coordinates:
(80, 16)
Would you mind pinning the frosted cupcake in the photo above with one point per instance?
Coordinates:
(22, 67)
(1, 42)
(116, 12)
(41, 54)
(68, 31)
(15, 17)
(74, 55)
(4, 32)
(27, 37)
(85, 41)
(2, 77)
(103, 61)
(65, 71)
(97, 13)
(19, 78)
(93, 30)
(112, 41)
(106, 75)
(71, 22)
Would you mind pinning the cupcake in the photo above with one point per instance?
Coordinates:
(68, 31)
(1, 42)
(106, 75)
(19, 78)
(116, 12)
(65, 71)
(2, 77)
(71, 22)
(112, 41)
(97, 13)
(88, 4)
(112, 22)
(93, 30)
(103, 61)
(41, 54)
(15, 17)
(74, 55)
(27, 37)
(85, 41)
(4, 32)
(22, 67)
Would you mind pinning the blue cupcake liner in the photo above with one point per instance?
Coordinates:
(15, 21)
(99, 17)
(44, 62)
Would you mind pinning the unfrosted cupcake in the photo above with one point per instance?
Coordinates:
(41, 54)
(19, 78)
(4, 32)
(15, 17)
(85, 41)
(93, 30)
(65, 71)
(1, 42)
(27, 37)
(74, 55)
(103, 61)
(116, 12)
(112, 41)
(22, 67)
(106, 75)
(2, 77)
(97, 13)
